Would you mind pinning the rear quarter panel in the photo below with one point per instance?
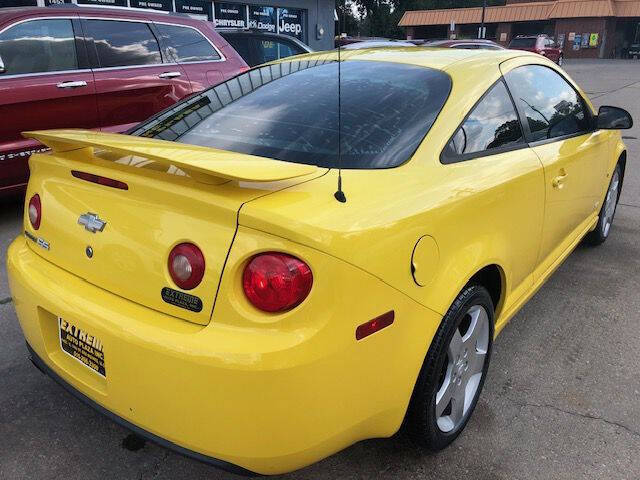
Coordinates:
(475, 211)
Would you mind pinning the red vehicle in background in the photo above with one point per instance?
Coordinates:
(541, 44)
(104, 69)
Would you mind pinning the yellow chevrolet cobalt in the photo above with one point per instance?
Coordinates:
(267, 273)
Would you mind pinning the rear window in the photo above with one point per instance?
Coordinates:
(289, 111)
(185, 44)
(123, 44)
(523, 43)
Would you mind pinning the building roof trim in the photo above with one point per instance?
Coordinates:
(519, 12)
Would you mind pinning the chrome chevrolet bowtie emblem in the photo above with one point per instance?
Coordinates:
(91, 222)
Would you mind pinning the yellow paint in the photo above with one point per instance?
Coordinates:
(275, 392)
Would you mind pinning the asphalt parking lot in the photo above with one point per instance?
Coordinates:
(562, 399)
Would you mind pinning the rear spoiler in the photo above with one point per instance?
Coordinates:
(203, 164)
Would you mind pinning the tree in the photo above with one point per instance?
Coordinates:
(379, 18)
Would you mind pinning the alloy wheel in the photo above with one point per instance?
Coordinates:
(610, 203)
(463, 370)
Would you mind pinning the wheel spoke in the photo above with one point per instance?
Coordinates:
(457, 406)
(455, 346)
(476, 362)
(443, 397)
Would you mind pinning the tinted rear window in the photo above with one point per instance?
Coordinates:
(289, 112)
(523, 43)
(185, 44)
(123, 44)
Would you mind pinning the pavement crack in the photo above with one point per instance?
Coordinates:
(573, 413)
(619, 203)
(616, 89)
(5, 300)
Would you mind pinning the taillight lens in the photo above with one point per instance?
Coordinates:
(35, 211)
(186, 265)
(275, 282)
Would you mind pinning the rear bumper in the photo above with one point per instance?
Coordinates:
(44, 368)
(268, 400)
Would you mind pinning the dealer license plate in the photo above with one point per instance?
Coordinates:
(82, 345)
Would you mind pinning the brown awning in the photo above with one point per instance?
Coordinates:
(585, 8)
(520, 12)
(627, 8)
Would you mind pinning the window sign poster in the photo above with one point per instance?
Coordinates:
(194, 8)
(230, 15)
(577, 41)
(290, 22)
(19, 3)
(593, 40)
(572, 36)
(164, 5)
(106, 3)
(262, 18)
(585, 40)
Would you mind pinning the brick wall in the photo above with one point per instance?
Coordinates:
(581, 26)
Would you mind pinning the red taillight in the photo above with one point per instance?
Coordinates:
(35, 211)
(372, 326)
(106, 181)
(186, 265)
(275, 282)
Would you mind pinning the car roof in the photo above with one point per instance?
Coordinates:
(424, 56)
(73, 9)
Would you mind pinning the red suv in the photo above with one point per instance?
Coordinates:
(106, 69)
(542, 44)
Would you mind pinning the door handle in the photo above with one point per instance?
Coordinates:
(72, 84)
(558, 182)
(169, 75)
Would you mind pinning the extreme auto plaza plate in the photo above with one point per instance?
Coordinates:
(82, 346)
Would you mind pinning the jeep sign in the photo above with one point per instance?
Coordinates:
(290, 22)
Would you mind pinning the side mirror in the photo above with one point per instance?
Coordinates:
(613, 118)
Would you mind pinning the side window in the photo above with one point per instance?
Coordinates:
(552, 107)
(38, 46)
(123, 44)
(240, 44)
(493, 123)
(270, 50)
(186, 44)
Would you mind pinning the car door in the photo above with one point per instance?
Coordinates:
(489, 151)
(132, 81)
(203, 63)
(558, 126)
(46, 84)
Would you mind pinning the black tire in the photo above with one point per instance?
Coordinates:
(600, 234)
(421, 422)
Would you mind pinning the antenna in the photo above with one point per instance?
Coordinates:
(339, 195)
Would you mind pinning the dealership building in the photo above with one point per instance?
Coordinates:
(311, 21)
(584, 28)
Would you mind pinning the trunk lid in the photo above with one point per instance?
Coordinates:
(175, 193)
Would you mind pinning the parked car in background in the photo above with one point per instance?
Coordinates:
(341, 41)
(634, 51)
(467, 44)
(376, 44)
(257, 47)
(97, 68)
(541, 44)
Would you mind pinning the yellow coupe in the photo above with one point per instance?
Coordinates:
(311, 253)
